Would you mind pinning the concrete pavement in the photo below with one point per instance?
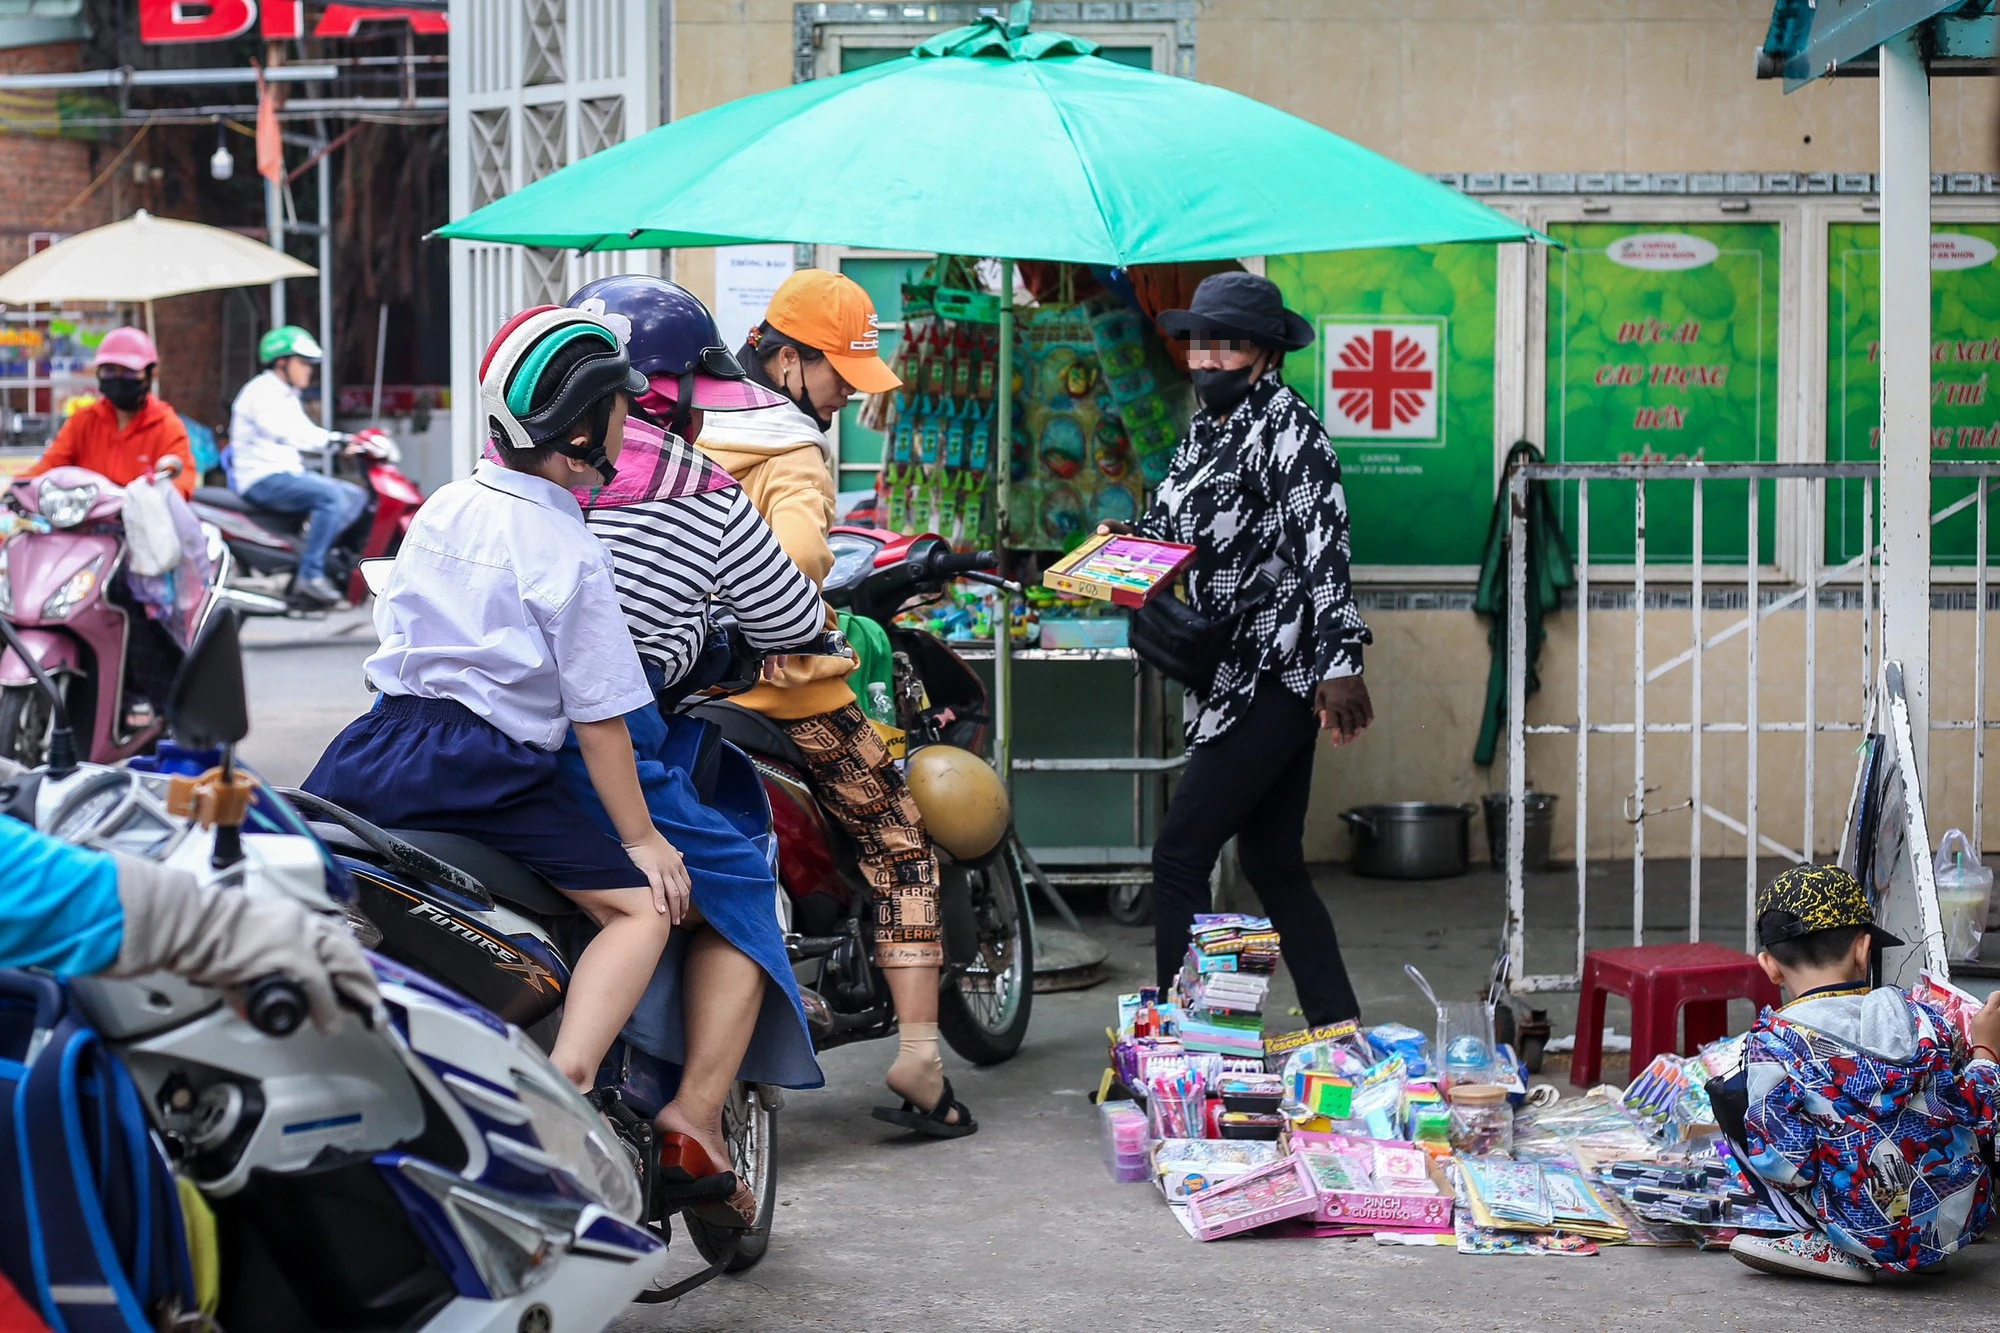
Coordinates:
(1019, 1227)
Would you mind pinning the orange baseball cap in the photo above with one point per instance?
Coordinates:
(831, 312)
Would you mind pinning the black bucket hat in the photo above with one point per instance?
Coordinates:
(1239, 305)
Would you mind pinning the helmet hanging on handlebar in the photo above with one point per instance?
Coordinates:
(962, 800)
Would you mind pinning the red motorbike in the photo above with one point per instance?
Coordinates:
(988, 984)
(265, 541)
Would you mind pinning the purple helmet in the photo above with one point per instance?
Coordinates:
(673, 342)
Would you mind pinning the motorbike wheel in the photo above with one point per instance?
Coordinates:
(984, 1007)
(750, 1123)
(26, 719)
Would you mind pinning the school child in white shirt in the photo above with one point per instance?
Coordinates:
(501, 630)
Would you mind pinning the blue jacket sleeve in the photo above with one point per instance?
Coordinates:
(58, 904)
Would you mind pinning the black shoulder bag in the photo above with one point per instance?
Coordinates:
(1186, 646)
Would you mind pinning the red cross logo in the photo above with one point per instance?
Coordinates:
(1383, 379)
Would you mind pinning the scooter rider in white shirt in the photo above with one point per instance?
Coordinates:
(269, 432)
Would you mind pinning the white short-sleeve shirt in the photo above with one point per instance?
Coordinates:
(502, 600)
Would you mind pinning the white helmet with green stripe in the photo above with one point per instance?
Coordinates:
(523, 413)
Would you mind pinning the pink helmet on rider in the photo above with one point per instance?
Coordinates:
(127, 347)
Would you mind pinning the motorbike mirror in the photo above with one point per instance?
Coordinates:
(375, 572)
(207, 706)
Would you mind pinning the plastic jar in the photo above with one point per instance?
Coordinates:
(1482, 1123)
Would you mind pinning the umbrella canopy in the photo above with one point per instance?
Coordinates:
(145, 258)
(993, 140)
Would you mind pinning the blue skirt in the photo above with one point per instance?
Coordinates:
(435, 764)
(734, 887)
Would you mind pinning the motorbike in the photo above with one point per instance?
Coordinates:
(494, 930)
(55, 570)
(266, 542)
(423, 1168)
(988, 981)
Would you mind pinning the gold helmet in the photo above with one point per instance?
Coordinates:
(963, 801)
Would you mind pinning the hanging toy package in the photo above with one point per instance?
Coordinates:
(1964, 894)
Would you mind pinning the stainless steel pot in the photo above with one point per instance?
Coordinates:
(1410, 839)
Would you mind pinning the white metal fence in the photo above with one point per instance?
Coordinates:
(1791, 832)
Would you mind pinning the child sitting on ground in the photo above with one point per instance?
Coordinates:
(501, 629)
(1865, 1107)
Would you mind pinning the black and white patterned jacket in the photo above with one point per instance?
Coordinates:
(1263, 479)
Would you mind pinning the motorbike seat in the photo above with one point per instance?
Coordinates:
(221, 497)
(749, 730)
(505, 878)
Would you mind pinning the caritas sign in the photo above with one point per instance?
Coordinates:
(168, 22)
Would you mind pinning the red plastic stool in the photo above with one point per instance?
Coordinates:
(1661, 980)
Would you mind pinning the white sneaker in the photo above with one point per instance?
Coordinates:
(1806, 1254)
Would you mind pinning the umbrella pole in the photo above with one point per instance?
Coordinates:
(1002, 464)
(149, 325)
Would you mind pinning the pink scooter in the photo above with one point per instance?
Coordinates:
(54, 573)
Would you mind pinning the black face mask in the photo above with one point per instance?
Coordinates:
(1220, 390)
(803, 399)
(123, 392)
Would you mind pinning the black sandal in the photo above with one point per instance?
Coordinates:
(935, 1123)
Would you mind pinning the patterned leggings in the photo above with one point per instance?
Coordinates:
(864, 789)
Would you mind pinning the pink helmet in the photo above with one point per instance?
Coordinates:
(127, 347)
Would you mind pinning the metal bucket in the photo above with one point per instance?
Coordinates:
(1538, 817)
(1410, 839)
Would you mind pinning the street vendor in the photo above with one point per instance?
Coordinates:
(1255, 487)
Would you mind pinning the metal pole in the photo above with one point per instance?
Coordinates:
(329, 392)
(1751, 735)
(1582, 713)
(1002, 454)
(1979, 685)
(381, 350)
(1517, 728)
(1815, 523)
(274, 223)
(1906, 378)
(1695, 815)
(1638, 815)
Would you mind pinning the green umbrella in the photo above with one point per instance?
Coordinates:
(993, 140)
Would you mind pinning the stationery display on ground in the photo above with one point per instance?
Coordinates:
(1340, 1131)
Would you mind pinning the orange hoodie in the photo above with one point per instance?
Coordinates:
(92, 439)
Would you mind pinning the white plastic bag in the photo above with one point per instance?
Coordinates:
(1965, 894)
(153, 543)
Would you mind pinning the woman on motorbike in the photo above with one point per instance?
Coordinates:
(683, 540)
(817, 346)
(128, 432)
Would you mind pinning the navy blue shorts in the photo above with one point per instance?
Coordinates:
(435, 764)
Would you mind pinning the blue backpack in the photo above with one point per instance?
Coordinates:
(90, 1222)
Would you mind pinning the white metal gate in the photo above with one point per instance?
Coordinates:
(535, 85)
(1763, 594)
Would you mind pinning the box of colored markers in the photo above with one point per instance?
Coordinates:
(1117, 567)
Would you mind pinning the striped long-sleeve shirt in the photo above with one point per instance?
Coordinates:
(672, 558)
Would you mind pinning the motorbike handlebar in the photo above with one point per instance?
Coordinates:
(946, 561)
(275, 1005)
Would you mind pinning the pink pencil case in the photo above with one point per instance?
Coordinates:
(1269, 1194)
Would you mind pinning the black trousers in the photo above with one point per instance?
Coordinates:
(1252, 783)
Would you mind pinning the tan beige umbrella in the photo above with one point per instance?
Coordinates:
(142, 260)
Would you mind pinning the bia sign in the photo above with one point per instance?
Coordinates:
(166, 22)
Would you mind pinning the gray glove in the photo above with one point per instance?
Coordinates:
(226, 938)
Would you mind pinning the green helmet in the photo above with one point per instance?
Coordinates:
(287, 340)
